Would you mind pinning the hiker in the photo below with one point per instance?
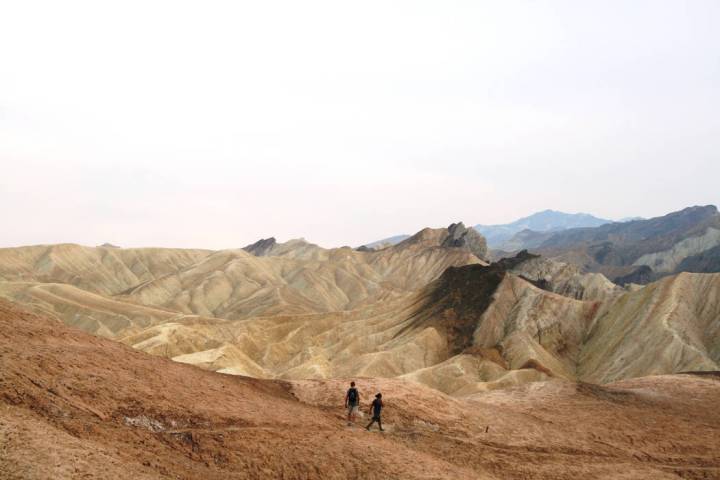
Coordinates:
(375, 409)
(352, 403)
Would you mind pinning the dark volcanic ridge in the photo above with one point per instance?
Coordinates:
(456, 301)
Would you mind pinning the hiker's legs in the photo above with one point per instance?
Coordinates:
(375, 419)
(352, 415)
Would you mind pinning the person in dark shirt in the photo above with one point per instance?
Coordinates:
(375, 409)
(352, 403)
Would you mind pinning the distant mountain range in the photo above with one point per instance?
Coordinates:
(387, 242)
(498, 235)
(545, 221)
(633, 250)
(639, 251)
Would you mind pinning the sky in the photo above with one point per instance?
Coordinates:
(213, 124)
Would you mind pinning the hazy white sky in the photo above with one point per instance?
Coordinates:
(212, 124)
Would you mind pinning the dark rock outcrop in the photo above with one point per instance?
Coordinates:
(456, 235)
(455, 302)
(461, 236)
(262, 247)
(705, 262)
(641, 275)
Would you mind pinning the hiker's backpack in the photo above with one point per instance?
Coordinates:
(352, 396)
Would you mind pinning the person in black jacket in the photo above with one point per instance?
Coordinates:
(375, 409)
(352, 403)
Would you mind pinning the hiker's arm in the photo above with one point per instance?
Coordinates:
(346, 399)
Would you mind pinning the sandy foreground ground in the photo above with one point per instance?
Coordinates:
(77, 406)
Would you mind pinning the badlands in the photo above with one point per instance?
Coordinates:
(525, 367)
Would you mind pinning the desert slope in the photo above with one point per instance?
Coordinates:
(78, 406)
(117, 292)
(236, 284)
(672, 325)
(510, 325)
(104, 270)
